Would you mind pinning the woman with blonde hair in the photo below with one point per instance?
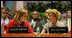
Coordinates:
(53, 20)
(20, 20)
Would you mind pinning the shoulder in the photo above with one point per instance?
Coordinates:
(60, 24)
(26, 22)
(46, 25)
(11, 21)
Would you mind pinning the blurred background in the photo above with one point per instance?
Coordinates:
(40, 6)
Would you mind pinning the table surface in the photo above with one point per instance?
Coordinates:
(35, 35)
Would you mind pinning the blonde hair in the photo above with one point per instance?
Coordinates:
(20, 13)
(54, 11)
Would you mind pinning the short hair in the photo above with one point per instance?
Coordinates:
(35, 12)
(54, 11)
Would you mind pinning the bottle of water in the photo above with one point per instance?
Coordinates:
(38, 29)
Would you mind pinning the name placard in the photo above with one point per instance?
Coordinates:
(58, 30)
(18, 29)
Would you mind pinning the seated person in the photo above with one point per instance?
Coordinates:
(53, 17)
(34, 21)
(69, 20)
(43, 22)
(4, 20)
(20, 21)
(59, 17)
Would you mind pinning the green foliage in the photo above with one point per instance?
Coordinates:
(42, 16)
(41, 7)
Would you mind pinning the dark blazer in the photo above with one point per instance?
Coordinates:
(41, 24)
(36, 25)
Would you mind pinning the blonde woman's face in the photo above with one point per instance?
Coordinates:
(52, 18)
(23, 18)
(46, 14)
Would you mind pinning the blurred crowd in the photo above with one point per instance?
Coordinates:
(35, 25)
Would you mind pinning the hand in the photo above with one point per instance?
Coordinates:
(4, 32)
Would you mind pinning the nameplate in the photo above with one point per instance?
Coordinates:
(58, 30)
(18, 29)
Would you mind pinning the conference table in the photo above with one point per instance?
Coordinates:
(35, 35)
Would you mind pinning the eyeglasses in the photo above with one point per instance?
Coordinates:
(5, 13)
